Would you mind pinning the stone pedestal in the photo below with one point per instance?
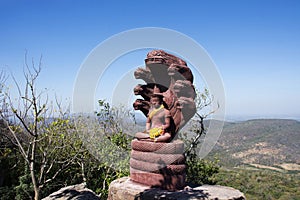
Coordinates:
(124, 188)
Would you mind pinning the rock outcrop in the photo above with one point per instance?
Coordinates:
(74, 192)
(124, 188)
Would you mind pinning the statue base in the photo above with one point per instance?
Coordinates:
(125, 188)
(164, 181)
(160, 165)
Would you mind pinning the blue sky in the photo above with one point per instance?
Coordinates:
(254, 44)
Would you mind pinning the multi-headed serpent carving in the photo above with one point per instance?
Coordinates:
(174, 79)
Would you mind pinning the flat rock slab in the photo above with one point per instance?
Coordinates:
(74, 192)
(124, 188)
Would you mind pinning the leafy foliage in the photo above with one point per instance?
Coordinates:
(199, 171)
(25, 189)
(110, 144)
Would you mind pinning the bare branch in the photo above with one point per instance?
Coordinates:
(3, 78)
(203, 101)
(82, 171)
(23, 153)
(43, 165)
(25, 125)
(66, 164)
(17, 85)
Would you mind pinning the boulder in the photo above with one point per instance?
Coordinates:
(124, 188)
(74, 192)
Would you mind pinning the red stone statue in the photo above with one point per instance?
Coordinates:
(157, 160)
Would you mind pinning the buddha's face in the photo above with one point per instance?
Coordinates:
(155, 102)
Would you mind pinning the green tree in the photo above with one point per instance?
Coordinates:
(39, 132)
(199, 171)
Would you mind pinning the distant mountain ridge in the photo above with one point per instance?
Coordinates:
(270, 142)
